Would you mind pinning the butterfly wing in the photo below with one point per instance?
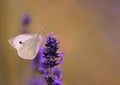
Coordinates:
(27, 45)
(29, 48)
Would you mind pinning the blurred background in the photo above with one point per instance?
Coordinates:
(89, 32)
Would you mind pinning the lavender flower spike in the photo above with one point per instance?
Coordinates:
(51, 55)
(47, 60)
(51, 58)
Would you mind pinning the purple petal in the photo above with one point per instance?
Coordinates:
(58, 72)
(37, 81)
(49, 35)
(62, 54)
(58, 82)
(43, 70)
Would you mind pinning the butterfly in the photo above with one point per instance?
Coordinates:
(27, 45)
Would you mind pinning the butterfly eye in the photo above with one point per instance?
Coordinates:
(20, 42)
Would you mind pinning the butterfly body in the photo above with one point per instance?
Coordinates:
(27, 45)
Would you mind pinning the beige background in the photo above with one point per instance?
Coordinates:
(89, 32)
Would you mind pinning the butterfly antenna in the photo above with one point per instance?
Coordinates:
(43, 27)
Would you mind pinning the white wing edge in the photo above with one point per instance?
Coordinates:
(11, 42)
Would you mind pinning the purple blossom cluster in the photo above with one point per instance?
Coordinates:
(46, 63)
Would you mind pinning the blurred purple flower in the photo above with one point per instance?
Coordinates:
(25, 23)
(34, 81)
(37, 81)
(26, 19)
(36, 61)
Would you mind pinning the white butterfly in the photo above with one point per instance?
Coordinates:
(27, 45)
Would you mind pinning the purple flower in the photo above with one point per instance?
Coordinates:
(47, 60)
(51, 56)
(58, 82)
(57, 72)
